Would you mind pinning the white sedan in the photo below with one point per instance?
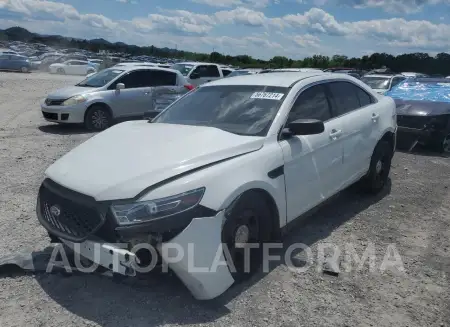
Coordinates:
(73, 67)
(220, 172)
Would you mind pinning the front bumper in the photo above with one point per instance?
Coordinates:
(190, 245)
(192, 255)
(64, 114)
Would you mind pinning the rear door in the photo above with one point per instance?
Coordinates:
(313, 163)
(166, 89)
(135, 98)
(352, 106)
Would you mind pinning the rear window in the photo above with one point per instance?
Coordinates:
(243, 110)
(183, 68)
(377, 83)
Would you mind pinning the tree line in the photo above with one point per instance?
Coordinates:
(414, 62)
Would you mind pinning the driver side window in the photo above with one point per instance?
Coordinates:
(202, 71)
(311, 104)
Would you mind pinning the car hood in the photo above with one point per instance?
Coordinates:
(70, 91)
(421, 108)
(127, 158)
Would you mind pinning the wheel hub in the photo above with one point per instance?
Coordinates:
(99, 119)
(379, 167)
(446, 144)
(242, 236)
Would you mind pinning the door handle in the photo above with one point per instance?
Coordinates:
(375, 117)
(335, 134)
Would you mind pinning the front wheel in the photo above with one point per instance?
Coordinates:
(380, 166)
(24, 69)
(97, 118)
(61, 71)
(246, 229)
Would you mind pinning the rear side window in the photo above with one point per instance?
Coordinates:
(364, 98)
(226, 72)
(163, 78)
(344, 97)
(311, 104)
(212, 71)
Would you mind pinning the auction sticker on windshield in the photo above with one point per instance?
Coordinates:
(267, 95)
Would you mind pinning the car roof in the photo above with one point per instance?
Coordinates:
(195, 63)
(136, 67)
(383, 75)
(282, 79)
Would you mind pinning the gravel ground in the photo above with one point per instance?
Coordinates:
(413, 214)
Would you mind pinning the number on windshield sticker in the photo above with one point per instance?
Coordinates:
(267, 95)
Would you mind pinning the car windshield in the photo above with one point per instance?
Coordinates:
(238, 109)
(182, 68)
(377, 82)
(101, 78)
(239, 73)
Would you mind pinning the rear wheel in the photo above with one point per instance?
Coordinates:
(247, 225)
(97, 118)
(380, 166)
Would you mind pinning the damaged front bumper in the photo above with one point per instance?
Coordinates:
(424, 130)
(189, 244)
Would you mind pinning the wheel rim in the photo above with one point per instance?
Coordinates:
(446, 144)
(24, 69)
(245, 231)
(380, 170)
(60, 70)
(99, 119)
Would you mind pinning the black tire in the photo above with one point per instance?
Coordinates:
(380, 166)
(97, 118)
(249, 215)
(61, 71)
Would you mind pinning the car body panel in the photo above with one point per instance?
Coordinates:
(180, 152)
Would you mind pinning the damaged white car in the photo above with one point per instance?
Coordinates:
(229, 164)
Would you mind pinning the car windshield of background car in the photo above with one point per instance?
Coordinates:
(101, 78)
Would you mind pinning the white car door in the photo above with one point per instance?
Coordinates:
(354, 108)
(69, 67)
(313, 163)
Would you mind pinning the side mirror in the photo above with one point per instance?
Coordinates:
(120, 86)
(306, 127)
(194, 75)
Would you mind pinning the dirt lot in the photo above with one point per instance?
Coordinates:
(413, 214)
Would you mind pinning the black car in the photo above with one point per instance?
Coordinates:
(423, 112)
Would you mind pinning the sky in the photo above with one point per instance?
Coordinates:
(259, 28)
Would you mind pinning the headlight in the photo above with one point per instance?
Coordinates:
(148, 210)
(74, 100)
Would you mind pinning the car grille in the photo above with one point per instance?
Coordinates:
(66, 217)
(51, 102)
(417, 122)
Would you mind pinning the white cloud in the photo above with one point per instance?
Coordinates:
(234, 3)
(395, 6)
(294, 34)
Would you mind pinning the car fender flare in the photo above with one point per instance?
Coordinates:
(98, 103)
(267, 191)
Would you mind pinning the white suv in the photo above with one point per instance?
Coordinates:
(229, 164)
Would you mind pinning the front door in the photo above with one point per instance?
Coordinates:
(312, 163)
(135, 99)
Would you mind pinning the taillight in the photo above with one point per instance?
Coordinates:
(190, 87)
